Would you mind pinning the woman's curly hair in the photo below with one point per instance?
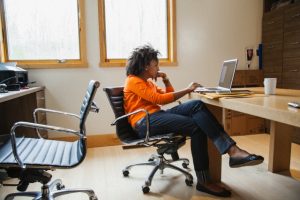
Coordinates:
(139, 59)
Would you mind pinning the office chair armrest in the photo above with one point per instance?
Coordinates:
(132, 113)
(36, 126)
(50, 111)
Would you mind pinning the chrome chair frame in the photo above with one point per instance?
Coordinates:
(36, 172)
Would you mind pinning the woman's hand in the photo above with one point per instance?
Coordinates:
(162, 75)
(193, 85)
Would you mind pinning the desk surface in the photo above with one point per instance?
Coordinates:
(282, 118)
(15, 94)
(272, 107)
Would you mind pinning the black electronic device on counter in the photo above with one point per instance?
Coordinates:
(14, 77)
(294, 104)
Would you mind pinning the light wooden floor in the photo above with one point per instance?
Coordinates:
(102, 171)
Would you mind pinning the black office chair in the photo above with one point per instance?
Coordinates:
(29, 159)
(166, 143)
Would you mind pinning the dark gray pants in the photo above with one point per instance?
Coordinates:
(195, 120)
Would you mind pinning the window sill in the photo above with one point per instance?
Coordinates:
(122, 63)
(52, 65)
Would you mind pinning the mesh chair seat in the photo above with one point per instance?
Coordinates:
(42, 152)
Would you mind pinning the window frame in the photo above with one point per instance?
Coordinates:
(171, 34)
(69, 63)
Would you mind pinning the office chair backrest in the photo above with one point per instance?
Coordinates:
(124, 130)
(87, 104)
(84, 111)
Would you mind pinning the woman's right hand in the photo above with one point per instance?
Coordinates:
(193, 85)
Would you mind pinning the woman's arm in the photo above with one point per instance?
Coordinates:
(191, 87)
(177, 94)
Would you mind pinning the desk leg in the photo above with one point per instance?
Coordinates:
(280, 147)
(215, 159)
(215, 163)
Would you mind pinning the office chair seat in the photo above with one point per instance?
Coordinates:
(166, 143)
(39, 151)
(29, 159)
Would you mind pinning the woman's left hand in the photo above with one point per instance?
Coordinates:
(161, 74)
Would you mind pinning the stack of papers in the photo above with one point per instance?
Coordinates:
(231, 95)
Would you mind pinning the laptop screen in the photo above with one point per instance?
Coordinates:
(227, 73)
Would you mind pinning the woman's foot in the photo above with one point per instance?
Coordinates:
(235, 152)
(240, 158)
(213, 189)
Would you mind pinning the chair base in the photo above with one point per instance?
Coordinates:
(51, 191)
(160, 162)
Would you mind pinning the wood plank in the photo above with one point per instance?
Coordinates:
(215, 161)
(280, 147)
(99, 140)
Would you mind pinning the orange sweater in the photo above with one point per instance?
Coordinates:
(146, 95)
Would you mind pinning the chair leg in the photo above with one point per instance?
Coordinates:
(154, 160)
(51, 191)
(185, 162)
(57, 183)
(150, 177)
(126, 169)
(161, 164)
(89, 192)
(152, 163)
(189, 177)
(22, 194)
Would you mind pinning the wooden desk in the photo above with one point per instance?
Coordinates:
(274, 108)
(19, 106)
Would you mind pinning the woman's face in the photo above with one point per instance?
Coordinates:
(152, 69)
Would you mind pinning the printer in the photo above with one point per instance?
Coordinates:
(12, 76)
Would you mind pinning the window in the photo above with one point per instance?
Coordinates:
(43, 33)
(125, 25)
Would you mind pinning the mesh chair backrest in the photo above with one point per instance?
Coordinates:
(84, 111)
(124, 130)
(87, 102)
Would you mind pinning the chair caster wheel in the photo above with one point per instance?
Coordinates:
(188, 182)
(145, 189)
(185, 165)
(60, 186)
(125, 172)
(94, 198)
(152, 158)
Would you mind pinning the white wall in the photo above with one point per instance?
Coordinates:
(208, 32)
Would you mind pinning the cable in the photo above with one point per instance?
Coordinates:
(13, 77)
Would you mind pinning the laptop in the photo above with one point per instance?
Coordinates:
(225, 81)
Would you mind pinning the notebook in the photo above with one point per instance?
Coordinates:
(225, 81)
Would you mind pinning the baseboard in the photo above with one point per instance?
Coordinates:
(93, 141)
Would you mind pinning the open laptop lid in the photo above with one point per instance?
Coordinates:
(226, 78)
(227, 74)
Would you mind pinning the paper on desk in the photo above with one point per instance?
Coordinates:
(217, 96)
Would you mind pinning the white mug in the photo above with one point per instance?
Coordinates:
(270, 85)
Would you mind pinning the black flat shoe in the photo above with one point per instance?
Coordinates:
(223, 193)
(250, 160)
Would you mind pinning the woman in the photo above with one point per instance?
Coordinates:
(191, 118)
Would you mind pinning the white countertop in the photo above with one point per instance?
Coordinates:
(15, 94)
